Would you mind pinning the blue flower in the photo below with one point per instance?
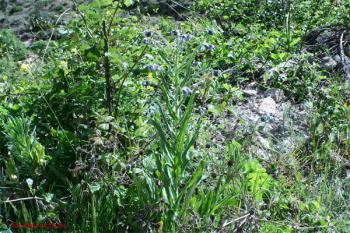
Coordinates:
(147, 33)
(145, 83)
(174, 33)
(186, 91)
(145, 41)
(153, 67)
(186, 37)
(211, 32)
(217, 73)
(211, 47)
(207, 46)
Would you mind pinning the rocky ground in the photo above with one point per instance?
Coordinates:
(274, 124)
(24, 16)
(20, 15)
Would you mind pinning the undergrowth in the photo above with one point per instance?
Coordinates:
(110, 127)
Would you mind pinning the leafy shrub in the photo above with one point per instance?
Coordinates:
(10, 46)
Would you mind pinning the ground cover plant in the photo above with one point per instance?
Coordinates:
(183, 116)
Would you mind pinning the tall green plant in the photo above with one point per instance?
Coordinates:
(23, 144)
(172, 183)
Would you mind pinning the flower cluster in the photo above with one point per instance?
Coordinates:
(185, 37)
(207, 46)
(153, 67)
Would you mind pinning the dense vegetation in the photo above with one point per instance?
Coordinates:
(110, 123)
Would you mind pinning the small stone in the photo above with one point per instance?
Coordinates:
(268, 106)
(250, 92)
(328, 63)
(276, 94)
(337, 58)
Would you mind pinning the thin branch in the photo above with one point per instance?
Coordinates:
(107, 68)
(52, 32)
(236, 220)
(112, 18)
(125, 76)
(83, 18)
(23, 199)
(18, 94)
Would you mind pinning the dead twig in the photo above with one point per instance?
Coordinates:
(23, 199)
(244, 217)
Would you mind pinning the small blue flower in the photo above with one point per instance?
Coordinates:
(174, 33)
(186, 91)
(145, 83)
(211, 32)
(153, 67)
(186, 37)
(217, 73)
(147, 33)
(207, 46)
(211, 47)
(145, 41)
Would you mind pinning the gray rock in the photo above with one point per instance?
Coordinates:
(276, 94)
(268, 106)
(274, 124)
(328, 63)
(250, 92)
(280, 69)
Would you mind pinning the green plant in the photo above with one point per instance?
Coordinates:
(172, 184)
(23, 144)
(10, 46)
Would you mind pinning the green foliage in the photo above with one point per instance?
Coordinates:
(258, 180)
(133, 112)
(173, 126)
(23, 143)
(10, 46)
